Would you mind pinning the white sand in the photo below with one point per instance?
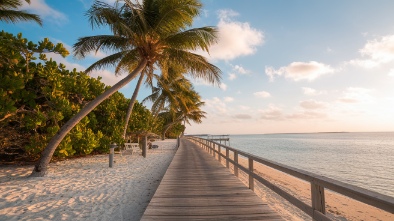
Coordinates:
(85, 188)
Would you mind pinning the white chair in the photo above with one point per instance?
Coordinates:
(134, 147)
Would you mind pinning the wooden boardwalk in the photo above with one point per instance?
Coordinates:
(198, 187)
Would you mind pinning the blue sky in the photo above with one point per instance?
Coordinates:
(288, 66)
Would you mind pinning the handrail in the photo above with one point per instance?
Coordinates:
(318, 182)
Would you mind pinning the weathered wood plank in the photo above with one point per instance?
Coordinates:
(197, 187)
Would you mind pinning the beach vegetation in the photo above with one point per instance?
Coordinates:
(39, 95)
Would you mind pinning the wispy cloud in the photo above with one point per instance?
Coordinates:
(237, 70)
(231, 45)
(356, 95)
(215, 107)
(376, 52)
(312, 104)
(228, 99)
(307, 115)
(243, 116)
(242, 107)
(223, 86)
(262, 94)
(312, 92)
(274, 113)
(41, 8)
(271, 113)
(240, 69)
(391, 73)
(232, 76)
(300, 71)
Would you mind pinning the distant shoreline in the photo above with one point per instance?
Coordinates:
(328, 132)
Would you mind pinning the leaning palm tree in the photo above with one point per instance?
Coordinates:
(168, 91)
(10, 14)
(193, 114)
(185, 105)
(145, 37)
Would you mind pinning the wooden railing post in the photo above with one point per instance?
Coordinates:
(214, 150)
(220, 156)
(227, 156)
(251, 180)
(236, 163)
(318, 199)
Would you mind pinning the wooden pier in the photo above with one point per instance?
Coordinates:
(197, 187)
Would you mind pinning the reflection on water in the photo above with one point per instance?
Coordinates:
(361, 159)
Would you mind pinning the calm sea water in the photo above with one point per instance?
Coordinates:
(362, 159)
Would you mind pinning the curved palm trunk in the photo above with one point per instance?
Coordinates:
(131, 104)
(40, 169)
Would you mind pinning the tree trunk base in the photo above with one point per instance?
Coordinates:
(38, 173)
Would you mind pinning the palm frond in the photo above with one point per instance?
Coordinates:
(85, 45)
(128, 62)
(110, 60)
(176, 15)
(195, 65)
(10, 4)
(193, 39)
(13, 16)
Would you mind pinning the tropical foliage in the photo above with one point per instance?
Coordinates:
(38, 95)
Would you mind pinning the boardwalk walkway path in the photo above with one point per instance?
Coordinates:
(197, 187)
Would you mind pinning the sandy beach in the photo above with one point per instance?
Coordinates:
(85, 188)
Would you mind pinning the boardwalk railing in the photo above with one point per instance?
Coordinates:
(318, 183)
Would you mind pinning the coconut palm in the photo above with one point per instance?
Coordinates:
(146, 37)
(168, 90)
(178, 100)
(10, 14)
(192, 113)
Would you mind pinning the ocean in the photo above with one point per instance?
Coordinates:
(362, 159)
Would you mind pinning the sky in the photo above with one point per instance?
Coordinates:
(289, 66)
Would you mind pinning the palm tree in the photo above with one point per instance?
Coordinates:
(146, 36)
(168, 90)
(10, 14)
(194, 114)
(177, 100)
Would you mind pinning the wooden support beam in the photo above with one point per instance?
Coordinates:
(318, 199)
(251, 180)
(236, 164)
(227, 156)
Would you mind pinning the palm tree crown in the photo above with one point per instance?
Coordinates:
(154, 30)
